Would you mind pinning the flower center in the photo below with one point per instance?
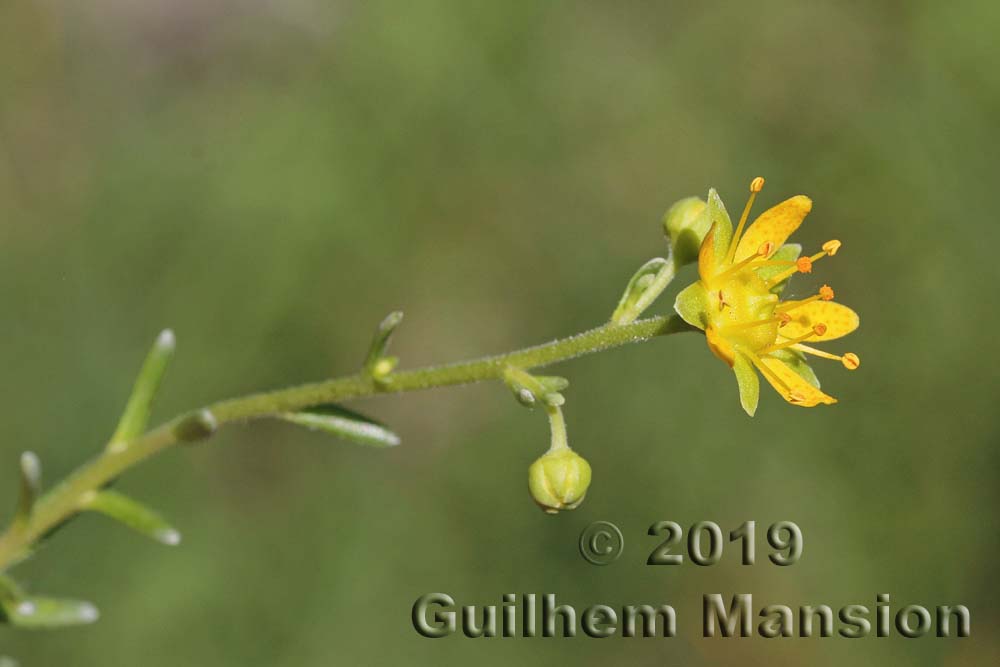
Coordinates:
(744, 318)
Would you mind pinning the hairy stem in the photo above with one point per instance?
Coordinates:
(66, 499)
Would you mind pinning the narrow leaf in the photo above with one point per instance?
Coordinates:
(523, 384)
(380, 344)
(642, 288)
(136, 516)
(136, 415)
(45, 612)
(28, 611)
(528, 388)
(31, 486)
(344, 423)
(552, 383)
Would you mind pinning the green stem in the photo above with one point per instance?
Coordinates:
(66, 499)
(557, 424)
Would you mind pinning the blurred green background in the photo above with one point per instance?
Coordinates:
(271, 178)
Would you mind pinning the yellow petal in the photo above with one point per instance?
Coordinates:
(838, 318)
(792, 386)
(746, 378)
(775, 224)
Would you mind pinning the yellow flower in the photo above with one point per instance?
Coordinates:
(736, 302)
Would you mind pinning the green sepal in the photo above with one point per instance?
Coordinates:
(797, 362)
(136, 414)
(786, 253)
(344, 423)
(133, 514)
(692, 305)
(653, 275)
(719, 218)
(37, 612)
(749, 383)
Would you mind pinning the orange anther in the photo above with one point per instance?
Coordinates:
(757, 184)
(819, 329)
(804, 265)
(850, 361)
(831, 247)
(826, 293)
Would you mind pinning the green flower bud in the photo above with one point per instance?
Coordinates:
(686, 223)
(558, 480)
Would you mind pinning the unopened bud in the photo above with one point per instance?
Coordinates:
(558, 480)
(686, 223)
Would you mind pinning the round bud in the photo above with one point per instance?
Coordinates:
(558, 480)
(686, 223)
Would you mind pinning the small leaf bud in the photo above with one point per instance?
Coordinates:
(383, 367)
(195, 426)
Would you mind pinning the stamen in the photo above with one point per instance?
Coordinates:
(760, 264)
(804, 264)
(829, 248)
(850, 360)
(817, 330)
(774, 280)
(782, 319)
(756, 185)
(763, 251)
(823, 354)
(825, 293)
